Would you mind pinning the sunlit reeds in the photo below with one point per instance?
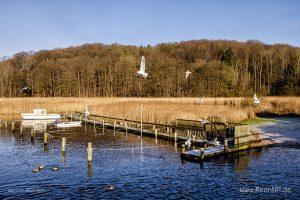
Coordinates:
(161, 110)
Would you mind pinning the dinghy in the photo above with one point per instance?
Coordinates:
(68, 124)
(39, 114)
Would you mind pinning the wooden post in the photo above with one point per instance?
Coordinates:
(114, 126)
(46, 137)
(13, 126)
(153, 127)
(126, 128)
(194, 138)
(94, 123)
(183, 148)
(225, 144)
(202, 153)
(90, 152)
(63, 145)
(32, 135)
(168, 129)
(175, 136)
(103, 126)
(21, 129)
(155, 133)
(141, 120)
(5, 124)
(71, 117)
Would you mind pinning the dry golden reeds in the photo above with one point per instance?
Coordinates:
(160, 110)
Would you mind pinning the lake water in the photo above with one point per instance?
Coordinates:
(144, 169)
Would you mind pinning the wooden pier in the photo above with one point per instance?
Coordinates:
(233, 137)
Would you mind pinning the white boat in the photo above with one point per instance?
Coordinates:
(39, 114)
(68, 124)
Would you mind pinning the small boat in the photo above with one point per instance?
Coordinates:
(39, 114)
(68, 124)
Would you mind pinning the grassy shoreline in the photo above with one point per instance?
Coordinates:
(160, 110)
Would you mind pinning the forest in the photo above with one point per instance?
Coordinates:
(219, 68)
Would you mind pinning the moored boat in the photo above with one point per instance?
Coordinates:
(68, 124)
(40, 114)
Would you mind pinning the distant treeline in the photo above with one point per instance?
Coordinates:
(219, 68)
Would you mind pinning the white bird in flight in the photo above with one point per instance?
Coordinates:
(256, 100)
(187, 73)
(142, 72)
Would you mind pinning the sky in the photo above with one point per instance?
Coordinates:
(32, 25)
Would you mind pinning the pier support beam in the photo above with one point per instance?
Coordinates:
(103, 126)
(114, 126)
(13, 126)
(63, 145)
(202, 154)
(126, 128)
(175, 136)
(90, 152)
(46, 139)
(225, 145)
(32, 135)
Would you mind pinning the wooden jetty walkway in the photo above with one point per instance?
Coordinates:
(233, 137)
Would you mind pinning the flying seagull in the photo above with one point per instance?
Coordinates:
(256, 100)
(142, 72)
(187, 73)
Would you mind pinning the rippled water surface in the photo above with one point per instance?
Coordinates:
(143, 169)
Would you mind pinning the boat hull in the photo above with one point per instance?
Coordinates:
(68, 124)
(29, 116)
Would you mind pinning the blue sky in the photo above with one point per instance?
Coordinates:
(27, 25)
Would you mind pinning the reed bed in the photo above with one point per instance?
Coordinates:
(159, 110)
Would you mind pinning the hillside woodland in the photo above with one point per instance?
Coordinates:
(219, 68)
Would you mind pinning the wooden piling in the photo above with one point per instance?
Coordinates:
(225, 145)
(202, 153)
(71, 117)
(183, 148)
(21, 129)
(13, 126)
(5, 124)
(32, 135)
(90, 152)
(103, 126)
(155, 133)
(63, 145)
(94, 123)
(46, 138)
(126, 128)
(114, 126)
(153, 127)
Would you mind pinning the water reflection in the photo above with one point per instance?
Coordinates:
(90, 169)
(36, 125)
